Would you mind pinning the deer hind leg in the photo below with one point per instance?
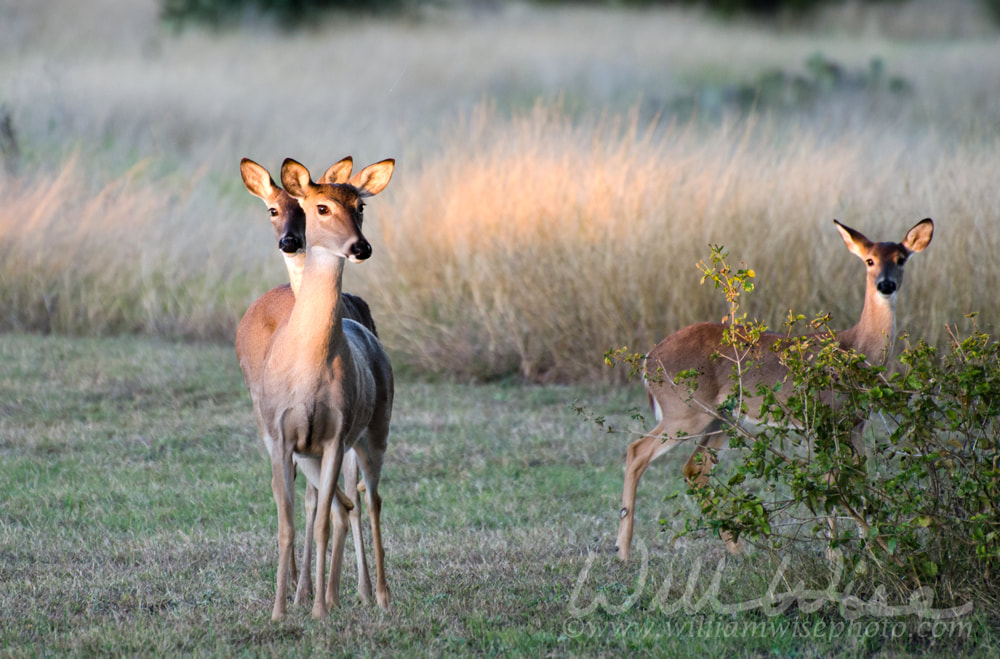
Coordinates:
(351, 490)
(370, 461)
(640, 454)
(699, 467)
(338, 514)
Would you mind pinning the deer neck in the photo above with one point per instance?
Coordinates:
(875, 333)
(317, 316)
(295, 263)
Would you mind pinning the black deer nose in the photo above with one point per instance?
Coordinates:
(361, 250)
(289, 244)
(886, 287)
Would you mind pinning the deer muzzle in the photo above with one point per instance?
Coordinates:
(361, 250)
(290, 244)
(886, 287)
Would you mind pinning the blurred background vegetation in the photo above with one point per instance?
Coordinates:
(298, 12)
(561, 167)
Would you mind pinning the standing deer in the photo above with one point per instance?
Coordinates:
(681, 416)
(256, 329)
(326, 385)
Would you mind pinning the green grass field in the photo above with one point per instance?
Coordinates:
(136, 518)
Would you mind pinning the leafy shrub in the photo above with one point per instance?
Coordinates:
(923, 500)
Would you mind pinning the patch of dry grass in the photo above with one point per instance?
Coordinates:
(544, 241)
(531, 244)
(124, 255)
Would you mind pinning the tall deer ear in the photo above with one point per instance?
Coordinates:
(258, 180)
(295, 178)
(919, 236)
(855, 240)
(339, 172)
(372, 179)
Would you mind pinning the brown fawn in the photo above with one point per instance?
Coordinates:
(682, 416)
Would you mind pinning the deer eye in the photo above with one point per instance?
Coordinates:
(273, 212)
(323, 209)
(901, 260)
(870, 262)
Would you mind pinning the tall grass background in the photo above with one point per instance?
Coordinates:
(551, 199)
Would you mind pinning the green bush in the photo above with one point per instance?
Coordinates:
(922, 500)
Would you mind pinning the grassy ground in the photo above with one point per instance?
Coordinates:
(136, 518)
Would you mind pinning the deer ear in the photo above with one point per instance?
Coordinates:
(372, 179)
(258, 180)
(295, 178)
(339, 172)
(919, 236)
(855, 240)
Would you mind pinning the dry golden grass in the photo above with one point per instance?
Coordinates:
(555, 240)
(123, 256)
(546, 205)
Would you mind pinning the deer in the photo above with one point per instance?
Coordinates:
(683, 416)
(326, 384)
(256, 329)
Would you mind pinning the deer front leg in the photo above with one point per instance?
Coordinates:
(338, 514)
(293, 570)
(329, 471)
(304, 590)
(637, 458)
(830, 479)
(282, 476)
(699, 467)
(858, 439)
